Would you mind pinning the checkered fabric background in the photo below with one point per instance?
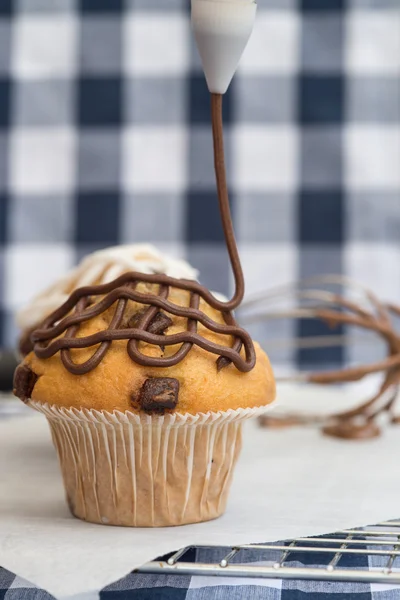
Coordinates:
(185, 587)
(105, 138)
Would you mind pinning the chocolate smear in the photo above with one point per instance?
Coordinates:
(24, 382)
(159, 394)
(349, 430)
(280, 422)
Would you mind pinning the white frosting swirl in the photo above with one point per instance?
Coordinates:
(102, 267)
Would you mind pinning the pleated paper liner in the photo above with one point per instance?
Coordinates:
(139, 470)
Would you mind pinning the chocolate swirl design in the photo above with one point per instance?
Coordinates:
(47, 341)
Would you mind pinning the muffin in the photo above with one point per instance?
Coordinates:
(145, 382)
(99, 267)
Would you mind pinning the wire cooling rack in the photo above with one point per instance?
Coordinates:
(379, 545)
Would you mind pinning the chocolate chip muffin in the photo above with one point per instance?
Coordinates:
(145, 381)
(145, 439)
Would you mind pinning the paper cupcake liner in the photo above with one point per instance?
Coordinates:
(146, 471)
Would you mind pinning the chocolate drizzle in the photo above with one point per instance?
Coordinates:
(79, 308)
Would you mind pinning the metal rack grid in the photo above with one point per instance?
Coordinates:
(382, 540)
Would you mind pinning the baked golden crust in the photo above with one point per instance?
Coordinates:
(116, 382)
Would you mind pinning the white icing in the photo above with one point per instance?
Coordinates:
(102, 267)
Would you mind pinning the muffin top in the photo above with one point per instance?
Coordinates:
(98, 267)
(109, 349)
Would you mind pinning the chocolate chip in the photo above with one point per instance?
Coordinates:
(223, 362)
(158, 394)
(136, 318)
(159, 323)
(25, 344)
(24, 382)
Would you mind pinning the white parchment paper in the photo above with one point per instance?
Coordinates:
(292, 482)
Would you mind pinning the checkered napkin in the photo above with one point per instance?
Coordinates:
(105, 138)
(184, 587)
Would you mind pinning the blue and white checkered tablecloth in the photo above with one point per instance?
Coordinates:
(105, 138)
(137, 586)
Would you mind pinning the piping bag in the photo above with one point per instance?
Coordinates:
(222, 29)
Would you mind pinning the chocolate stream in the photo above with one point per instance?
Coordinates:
(223, 200)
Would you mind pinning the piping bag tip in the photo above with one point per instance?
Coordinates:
(222, 29)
